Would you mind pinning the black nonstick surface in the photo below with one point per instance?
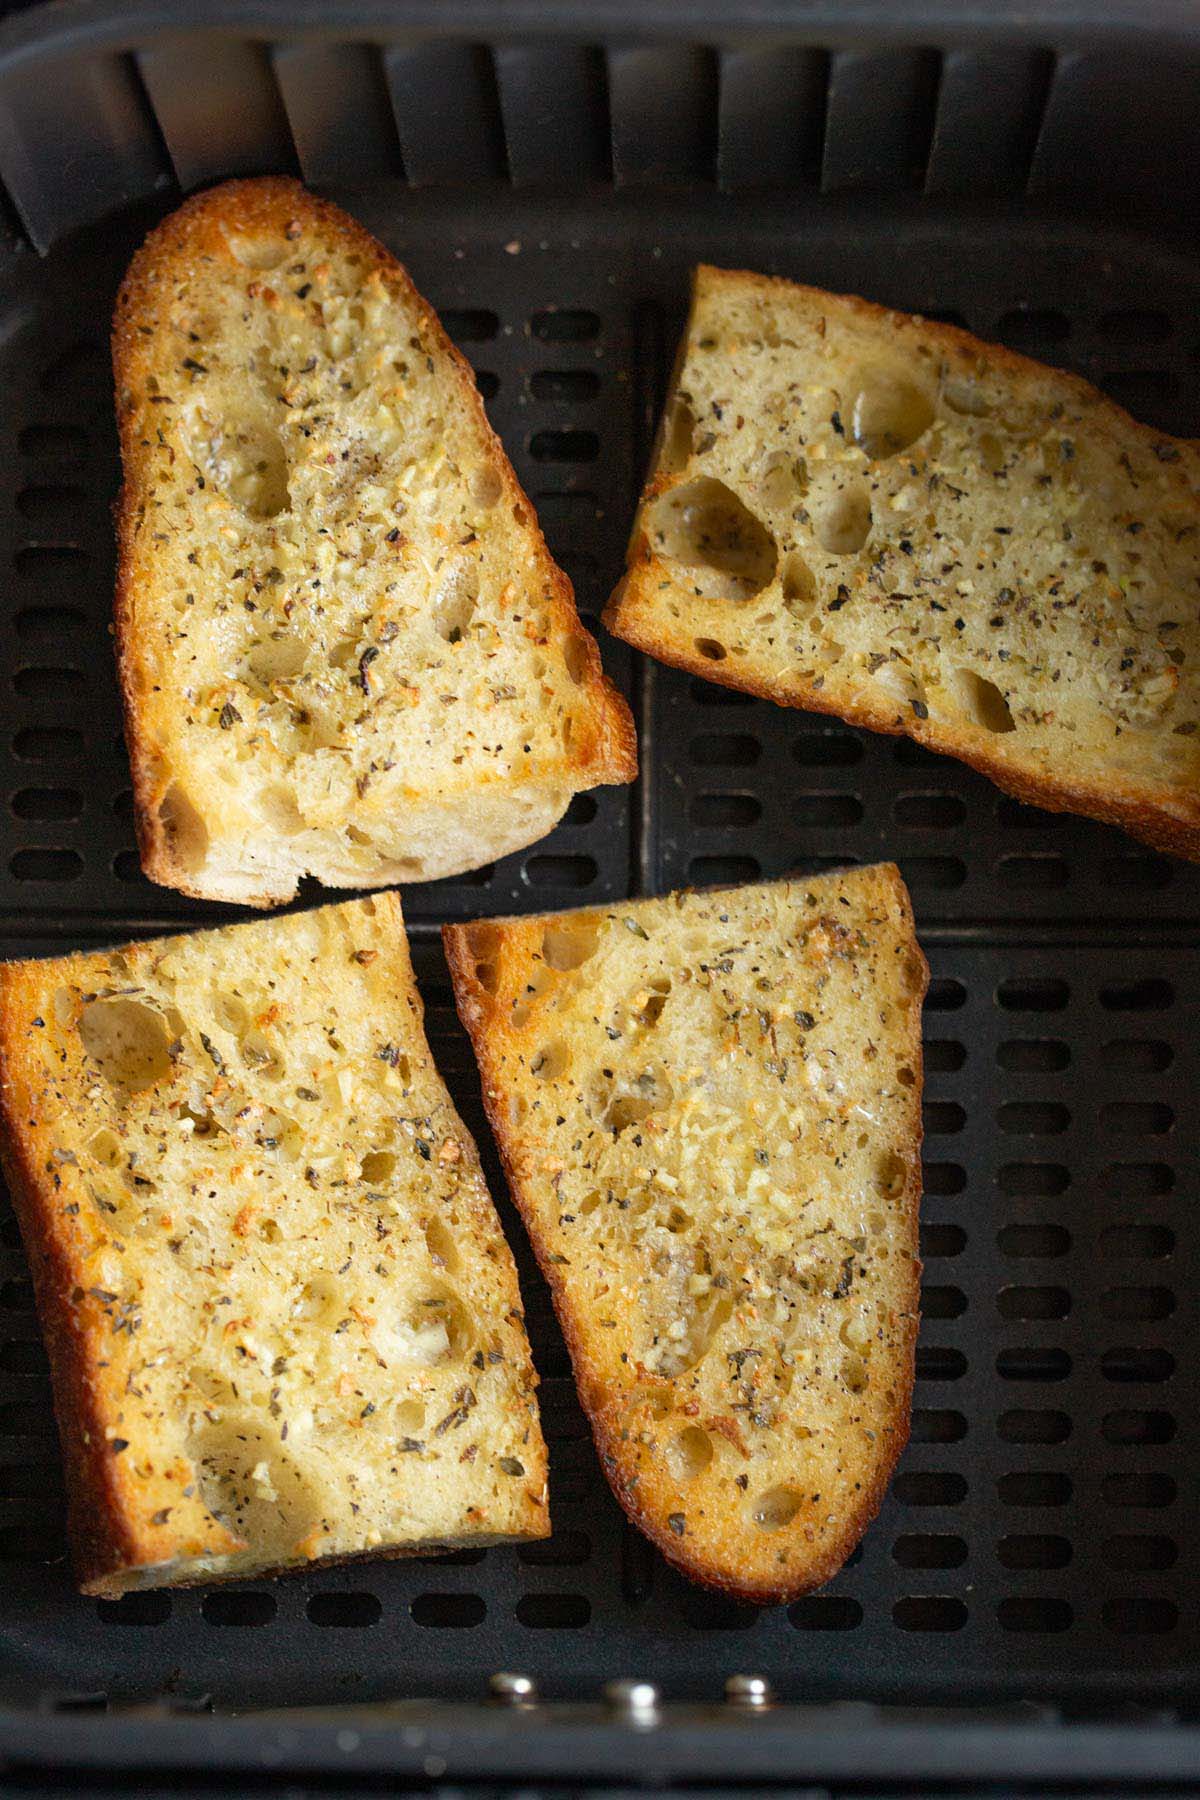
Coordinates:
(1036, 1541)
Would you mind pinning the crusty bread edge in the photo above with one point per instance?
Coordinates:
(109, 1541)
(104, 1533)
(111, 1586)
(607, 754)
(1118, 801)
(475, 1011)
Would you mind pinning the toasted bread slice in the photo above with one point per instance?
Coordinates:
(344, 649)
(871, 515)
(283, 1323)
(709, 1109)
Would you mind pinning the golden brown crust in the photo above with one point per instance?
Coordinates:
(604, 751)
(136, 1515)
(97, 1526)
(632, 615)
(509, 941)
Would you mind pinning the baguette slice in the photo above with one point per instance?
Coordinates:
(344, 650)
(283, 1324)
(709, 1109)
(867, 514)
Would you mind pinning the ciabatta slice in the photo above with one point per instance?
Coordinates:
(283, 1324)
(709, 1109)
(344, 649)
(872, 515)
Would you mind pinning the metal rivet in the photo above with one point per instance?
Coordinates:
(638, 1700)
(508, 1689)
(753, 1691)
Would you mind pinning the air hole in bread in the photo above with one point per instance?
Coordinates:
(186, 832)
(619, 1103)
(128, 1040)
(455, 602)
(678, 436)
(964, 396)
(254, 1488)
(270, 1232)
(783, 482)
(105, 1147)
(378, 1165)
(410, 1417)
(551, 1062)
(914, 975)
(630, 1109)
(568, 943)
(442, 1246)
(487, 485)
(855, 1333)
(703, 525)
(243, 459)
(799, 585)
(841, 519)
(889, 412)
(982, 701)
(578, 659)
(689, 1453)
(231, 1012)
(854, 1372)
(485, 945)
(905, 1076)
(711, 650)
(589, 1204)
(776, 1508)
(647, 1007)
(257, 252)
(523, 1004)
(890, 1173)
(279, 657)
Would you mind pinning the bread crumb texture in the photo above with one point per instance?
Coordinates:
(709, 1106)
(866, 514)
(344, 648)
(283, 1323)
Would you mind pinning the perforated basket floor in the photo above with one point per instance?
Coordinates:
(1040, 1538)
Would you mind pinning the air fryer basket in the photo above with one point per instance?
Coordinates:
(549, 174)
